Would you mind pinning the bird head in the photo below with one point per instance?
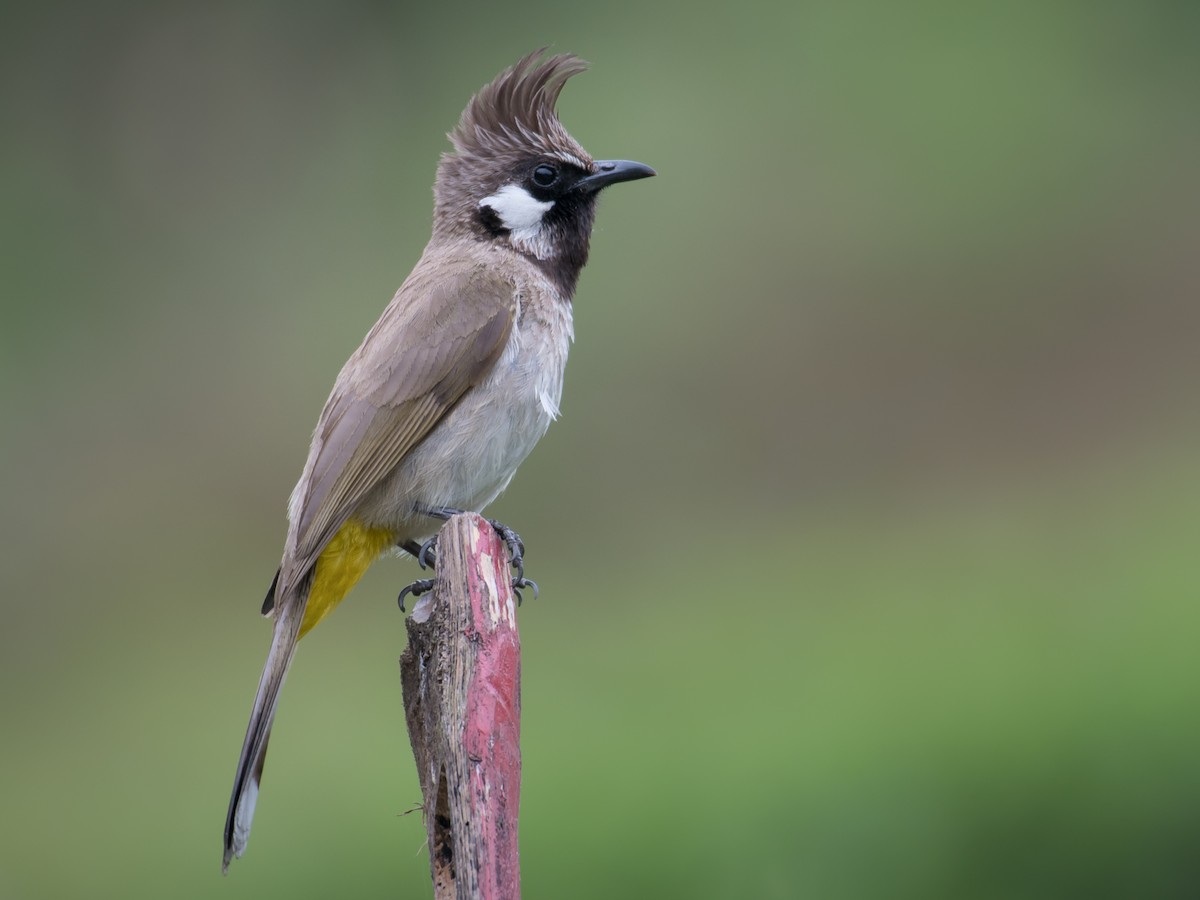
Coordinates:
(517, 178)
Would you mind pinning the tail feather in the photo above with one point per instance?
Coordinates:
(258, 733)
(268, 606)
(296, 601)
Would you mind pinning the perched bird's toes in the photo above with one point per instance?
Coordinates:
(417, 588)
(516, 553)
(516, 546)
(519, 583)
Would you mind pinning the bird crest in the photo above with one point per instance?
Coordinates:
(515, 112)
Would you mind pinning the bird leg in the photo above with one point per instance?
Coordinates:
(423, 554)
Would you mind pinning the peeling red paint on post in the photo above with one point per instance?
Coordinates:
(492, 730)
(462, 675)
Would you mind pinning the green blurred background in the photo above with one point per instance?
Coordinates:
(867, 541)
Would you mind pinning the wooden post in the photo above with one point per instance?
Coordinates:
(461, 676)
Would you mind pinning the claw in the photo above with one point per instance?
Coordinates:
(522, 582)
(417, 588)
(516, 548)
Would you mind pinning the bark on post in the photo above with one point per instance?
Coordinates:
(461, 675)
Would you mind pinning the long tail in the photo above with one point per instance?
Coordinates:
(258, 733)
(296, 607)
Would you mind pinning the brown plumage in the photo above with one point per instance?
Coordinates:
(456, 382)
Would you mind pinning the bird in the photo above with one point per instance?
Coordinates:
(454, 384)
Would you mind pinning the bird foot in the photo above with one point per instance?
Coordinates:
(426, 555)
(417, 588)
(516, 555)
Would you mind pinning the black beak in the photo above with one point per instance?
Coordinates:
(610, 171)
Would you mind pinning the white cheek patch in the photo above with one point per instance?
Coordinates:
(519, 210)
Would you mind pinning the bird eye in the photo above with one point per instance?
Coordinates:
(544, 176)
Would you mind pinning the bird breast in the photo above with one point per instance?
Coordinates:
(473, 453)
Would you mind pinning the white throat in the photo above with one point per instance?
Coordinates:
(521, 213)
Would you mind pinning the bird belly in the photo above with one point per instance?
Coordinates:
(473, 453)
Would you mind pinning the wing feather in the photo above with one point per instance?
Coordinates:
(435, 341)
